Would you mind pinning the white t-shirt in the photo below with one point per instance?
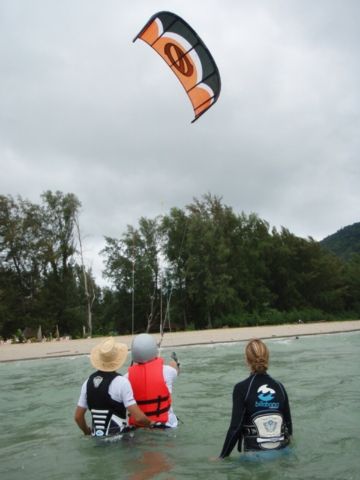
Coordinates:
(170, 374)
(120, 390)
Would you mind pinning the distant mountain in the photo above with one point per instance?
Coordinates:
(344, 242)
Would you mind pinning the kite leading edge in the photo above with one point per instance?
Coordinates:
(188, 57)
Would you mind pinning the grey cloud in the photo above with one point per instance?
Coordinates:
(85, 110)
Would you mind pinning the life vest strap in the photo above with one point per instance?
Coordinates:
(152, 400)
(158, 411)
(157, 402)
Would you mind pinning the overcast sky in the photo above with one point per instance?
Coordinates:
(86, 111)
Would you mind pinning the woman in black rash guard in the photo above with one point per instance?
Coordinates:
(261, 418)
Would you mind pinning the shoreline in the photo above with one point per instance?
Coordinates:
(65, 348)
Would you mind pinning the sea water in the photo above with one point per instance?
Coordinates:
(40, 441)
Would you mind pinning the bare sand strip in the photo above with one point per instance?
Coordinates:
(63, 348)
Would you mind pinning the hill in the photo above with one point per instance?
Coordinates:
(344, 242)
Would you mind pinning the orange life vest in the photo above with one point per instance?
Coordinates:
(150, 390)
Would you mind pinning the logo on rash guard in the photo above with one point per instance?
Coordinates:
(265, 396)
(265, 393)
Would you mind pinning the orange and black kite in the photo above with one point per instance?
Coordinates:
(188, 57)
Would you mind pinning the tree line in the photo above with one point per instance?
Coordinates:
(203, 266)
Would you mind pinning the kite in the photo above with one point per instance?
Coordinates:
(188, 57)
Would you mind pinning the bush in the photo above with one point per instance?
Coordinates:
(275, 317)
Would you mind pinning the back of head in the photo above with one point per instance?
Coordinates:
(143, 348)
(257, 356)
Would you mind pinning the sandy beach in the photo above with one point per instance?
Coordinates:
(29, 351)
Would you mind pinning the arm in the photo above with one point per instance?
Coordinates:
(234, 431)
(287, 414)
(140, 418)
(175, 362)
(79, 418)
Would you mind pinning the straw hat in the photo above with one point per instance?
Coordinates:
(108, 356)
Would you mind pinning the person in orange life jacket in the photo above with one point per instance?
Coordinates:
(107, 394)
(152, 381)
(261, 418)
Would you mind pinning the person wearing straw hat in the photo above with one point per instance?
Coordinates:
(107, 394)
(152, 381)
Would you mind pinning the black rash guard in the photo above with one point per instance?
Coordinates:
(258, 394)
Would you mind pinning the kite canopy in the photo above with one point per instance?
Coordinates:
(188, 57)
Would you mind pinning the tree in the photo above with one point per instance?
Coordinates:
(88, 282)
(303, 275)
(37, 253)
(133, 265)
(60, 292)
(59, 213)
(250, 243)
(199, 250)
(20, 242)
(352, 282)
(173, 233)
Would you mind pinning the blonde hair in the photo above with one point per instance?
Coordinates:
(257, 356)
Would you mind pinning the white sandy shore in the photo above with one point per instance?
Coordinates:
(27, 351)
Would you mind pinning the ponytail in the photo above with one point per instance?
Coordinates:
(257, 356)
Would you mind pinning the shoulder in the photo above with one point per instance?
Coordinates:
(120, 386)
(281, 385)
(82, 402)
(244, 383)
(275, 383)
(120, 390)
(273, 380)
(84, 386)
(242, 387)
(120, 381)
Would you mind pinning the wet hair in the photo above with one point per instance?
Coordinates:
(257, 356)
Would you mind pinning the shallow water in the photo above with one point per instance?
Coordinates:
(39, 440)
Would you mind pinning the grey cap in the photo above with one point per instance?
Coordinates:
(143, 348)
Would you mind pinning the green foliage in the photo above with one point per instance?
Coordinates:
(352, 282)
(199, 267)
(345, 242)
(275, 317)
(133, 265)
(221, 269)
(38, 281)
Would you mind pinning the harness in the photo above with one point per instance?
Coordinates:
(150, 390)
(266, 429)
(266, 432)
(108, 415)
